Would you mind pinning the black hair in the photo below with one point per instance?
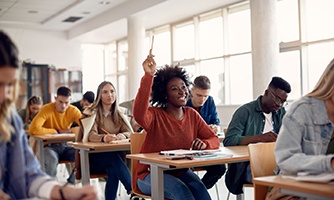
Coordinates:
(161, 79)
(278, 82)
(89, 96)
(8, 51)
(64, 91)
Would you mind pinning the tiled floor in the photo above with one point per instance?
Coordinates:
(223, 192)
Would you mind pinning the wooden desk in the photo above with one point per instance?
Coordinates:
(158, 164)
(85, 148)
(50, 138)
(298, 188)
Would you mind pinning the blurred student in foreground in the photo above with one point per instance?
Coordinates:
(170, 125)
(20, 173)
(305, 142)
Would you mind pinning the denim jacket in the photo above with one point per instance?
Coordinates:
(304, 137)
(20, 173)
(208, 111)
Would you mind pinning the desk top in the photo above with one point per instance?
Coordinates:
(55, 137)
(322, 189)
(240, 154)
(99, 145)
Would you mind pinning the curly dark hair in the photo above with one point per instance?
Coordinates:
(161, 79)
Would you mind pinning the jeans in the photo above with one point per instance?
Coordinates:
(186, 187)
(55, 152)
(113, 164)
(213, 174)
(248, 175)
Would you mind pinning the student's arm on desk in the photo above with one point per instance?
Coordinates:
(36, 127)
(262, 137)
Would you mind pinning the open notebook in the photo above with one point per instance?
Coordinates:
(195, 154)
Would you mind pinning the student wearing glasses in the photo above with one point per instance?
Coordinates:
(256, 121)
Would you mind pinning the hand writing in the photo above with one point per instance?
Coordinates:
(214, 127)
(268, 137)
(109, 137)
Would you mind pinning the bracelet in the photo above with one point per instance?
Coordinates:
(61, 192)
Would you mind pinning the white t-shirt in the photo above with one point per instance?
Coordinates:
(268, 126)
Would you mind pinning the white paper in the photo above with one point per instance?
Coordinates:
(321, 178)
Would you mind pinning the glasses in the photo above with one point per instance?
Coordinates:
(278, 100)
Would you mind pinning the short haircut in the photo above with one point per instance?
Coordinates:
(278, 82)
(89, 96)
(64, 91)
(202, 82)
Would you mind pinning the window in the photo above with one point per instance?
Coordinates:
(184, 42)
(239, 29)
(288, 25)
(211, 37)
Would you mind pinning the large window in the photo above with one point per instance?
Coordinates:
(218, 44)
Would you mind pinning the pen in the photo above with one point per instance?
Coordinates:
(167, 154)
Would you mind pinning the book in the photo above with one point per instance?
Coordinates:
(188, 152)
(120, 141)
(307, 177)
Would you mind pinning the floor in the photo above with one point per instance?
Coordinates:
(223, 192)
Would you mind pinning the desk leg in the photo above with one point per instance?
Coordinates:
(157, 182)
(40, 148)
(84, 162)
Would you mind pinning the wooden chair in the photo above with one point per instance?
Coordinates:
(136, 140)
(262, 163)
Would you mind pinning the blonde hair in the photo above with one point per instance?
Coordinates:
(98, 107)
(32, 100)
(8, 58)
(324, 89)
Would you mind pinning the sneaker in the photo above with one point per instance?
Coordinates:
(135, 197)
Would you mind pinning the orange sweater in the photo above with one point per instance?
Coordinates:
(49, 121)
(165, 132)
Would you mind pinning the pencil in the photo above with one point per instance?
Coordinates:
(104, 130)
(152, 45)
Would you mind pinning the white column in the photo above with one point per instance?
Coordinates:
(265, 47)
(136, 39)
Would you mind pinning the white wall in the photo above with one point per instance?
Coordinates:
(225, 114)
(50, 47)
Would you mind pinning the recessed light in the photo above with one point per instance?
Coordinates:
(104, 2)
(33, 11)
(86, 12)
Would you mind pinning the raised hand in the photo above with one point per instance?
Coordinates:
(149, 65)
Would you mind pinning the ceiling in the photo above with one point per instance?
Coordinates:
(98, 21)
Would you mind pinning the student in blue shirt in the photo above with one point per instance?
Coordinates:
(20, 173)
(203, 103)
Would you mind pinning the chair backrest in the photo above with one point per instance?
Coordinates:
(262, 163)
(262, 159)
(136, 141)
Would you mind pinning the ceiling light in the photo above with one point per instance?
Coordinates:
(32, 11)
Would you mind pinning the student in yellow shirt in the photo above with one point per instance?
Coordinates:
(56, 118)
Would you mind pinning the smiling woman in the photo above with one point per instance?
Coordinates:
(170, 125)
